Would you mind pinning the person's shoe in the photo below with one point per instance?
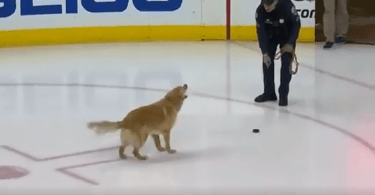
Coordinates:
(328, 45)
(283, 101)
(340, 40)
(266, 97)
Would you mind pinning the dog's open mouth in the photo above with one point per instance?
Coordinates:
(185, 87)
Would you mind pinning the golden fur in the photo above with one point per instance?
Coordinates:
(155, 119)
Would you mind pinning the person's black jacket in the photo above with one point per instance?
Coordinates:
(283, 20)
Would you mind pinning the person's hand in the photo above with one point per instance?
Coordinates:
(287, 49)
(267, 60)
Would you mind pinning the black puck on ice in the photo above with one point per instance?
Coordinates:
(256, 130)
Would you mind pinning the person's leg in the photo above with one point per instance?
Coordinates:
(285, 76)
(329, 22)
(269, 75)
(342, 21)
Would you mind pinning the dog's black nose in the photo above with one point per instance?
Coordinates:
(186, 96)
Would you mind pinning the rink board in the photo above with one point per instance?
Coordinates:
(40, 22)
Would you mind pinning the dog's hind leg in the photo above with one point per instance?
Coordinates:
(138, 146)
(126, 137)
(137, 155)
(121, 150)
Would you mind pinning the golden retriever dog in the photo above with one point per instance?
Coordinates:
(155, 119)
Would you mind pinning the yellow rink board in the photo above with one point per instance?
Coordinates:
(243, 33)
(54, 36)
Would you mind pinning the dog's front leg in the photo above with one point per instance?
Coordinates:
(167, 138)
(157, 143)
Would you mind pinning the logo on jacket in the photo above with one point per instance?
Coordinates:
(268, 21)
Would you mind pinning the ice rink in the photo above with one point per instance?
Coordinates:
(323, 141)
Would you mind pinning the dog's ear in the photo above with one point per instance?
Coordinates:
(185, 86)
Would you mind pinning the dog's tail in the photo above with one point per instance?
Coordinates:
(104, 126)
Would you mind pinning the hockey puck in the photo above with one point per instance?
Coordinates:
(256, 130)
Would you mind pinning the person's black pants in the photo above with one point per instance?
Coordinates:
(269, 73)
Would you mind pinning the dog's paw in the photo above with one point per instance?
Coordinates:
(123, 156)
(162, 149)
(172, 151)
(142, 157)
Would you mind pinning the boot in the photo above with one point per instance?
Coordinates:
(328, 45)
(266, 97)
(283, 101)
(340, 39)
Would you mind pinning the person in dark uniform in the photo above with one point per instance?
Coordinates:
(277, 23)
